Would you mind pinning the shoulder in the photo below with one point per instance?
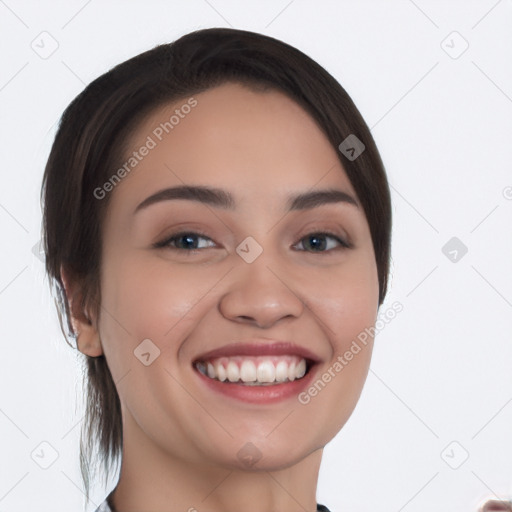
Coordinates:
(322, 508)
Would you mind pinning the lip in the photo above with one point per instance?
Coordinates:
(260, 348)
(260, 394)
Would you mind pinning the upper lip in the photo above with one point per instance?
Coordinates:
(260, 348)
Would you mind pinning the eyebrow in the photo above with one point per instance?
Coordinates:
(220, 198)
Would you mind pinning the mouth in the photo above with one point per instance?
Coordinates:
(255, 370)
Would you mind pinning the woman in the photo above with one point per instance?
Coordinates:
(217, 226)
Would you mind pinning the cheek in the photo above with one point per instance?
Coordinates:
(133, 306)
(149, 298)
(346, 299)
(346, 310)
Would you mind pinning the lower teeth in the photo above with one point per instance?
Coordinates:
(252, 383)
(256, 383)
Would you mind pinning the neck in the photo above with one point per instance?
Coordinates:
(153, 479)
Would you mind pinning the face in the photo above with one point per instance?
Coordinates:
(190, 277)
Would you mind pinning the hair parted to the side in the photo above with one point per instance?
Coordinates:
(90, 144)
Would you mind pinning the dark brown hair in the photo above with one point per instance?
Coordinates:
(90, 143)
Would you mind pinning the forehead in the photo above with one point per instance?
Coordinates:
(253, 143)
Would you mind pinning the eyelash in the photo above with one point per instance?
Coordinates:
(166, 242)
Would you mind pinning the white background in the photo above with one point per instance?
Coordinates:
(441, 370)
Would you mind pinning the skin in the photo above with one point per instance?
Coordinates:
(180, 440)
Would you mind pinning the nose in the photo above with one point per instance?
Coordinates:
(260, 295)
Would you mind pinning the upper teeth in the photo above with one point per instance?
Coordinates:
(260, 369)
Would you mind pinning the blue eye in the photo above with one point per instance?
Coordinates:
(319, 243)
(186, 241)
(187, 237)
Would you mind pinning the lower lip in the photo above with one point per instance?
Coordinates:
(259, 394)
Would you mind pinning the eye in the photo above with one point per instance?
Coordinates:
(316, 240)
(187, 241)
(185, 238)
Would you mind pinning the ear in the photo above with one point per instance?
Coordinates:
(88, 339)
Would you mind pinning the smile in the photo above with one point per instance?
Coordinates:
(254, 370)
